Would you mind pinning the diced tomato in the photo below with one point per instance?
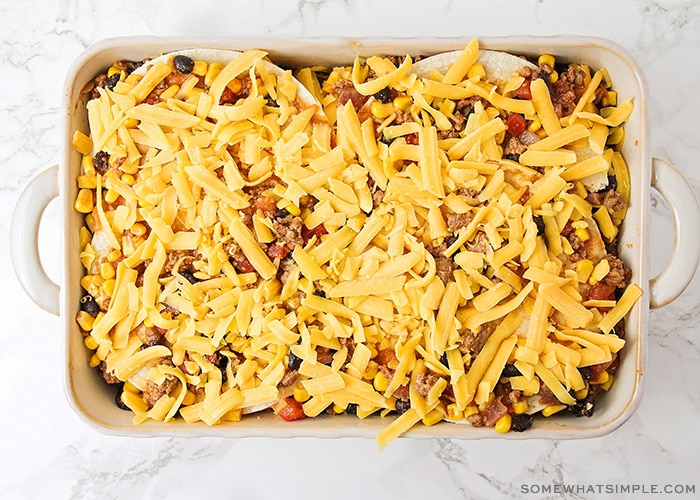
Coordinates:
(275, 250)
(290, 409)
(566, 231)
(266, 205)
(600, 291)
(523, 92)
(318, 231)
(244, 265)
(516, 124)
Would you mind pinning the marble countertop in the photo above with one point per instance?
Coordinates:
(48, 452)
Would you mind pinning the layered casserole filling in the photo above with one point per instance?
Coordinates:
(434, 241)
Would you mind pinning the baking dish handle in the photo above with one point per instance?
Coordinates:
(679, 195)
(24, 235)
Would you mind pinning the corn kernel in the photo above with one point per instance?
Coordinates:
(553, 77)
(138, 229)
(148, 323)
(84, 202)
(94, 361)
(131, 123)
(235, 85)
(200, 68)
(477, 70)
(382, 110)
(188, 400)
(433, 417)
(453, 412)
(599, 272)
(128, 179)
(338, 409)
(551, 410)
(85, 237)
(301, 394)
(81, 143)
(87, 165)
(584, 268)
(610, 99)
(108, 286)
(534, 125)
(373, 351)
(87, 182)
(113, 71)
(546, 59)
(90, 280)
(582, 393)
(212, 72)
(608, 383)
(601, 378)
(503, 424)
(520, 407)
(393, 364)
(114, 255)
(129, 387)
(403, 102)
(107, 270)
(111, 196)
(380, 382)
(85, 321)
(371, 370)
(470, 410)
(582, 234)
(90, 343)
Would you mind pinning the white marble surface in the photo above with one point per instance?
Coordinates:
(47, 452)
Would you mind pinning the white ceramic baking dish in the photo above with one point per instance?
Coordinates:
(94, 400)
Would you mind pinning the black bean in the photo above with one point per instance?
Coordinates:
(281, 213)
(521, 422)
(294, 361)
(351, 409)
(402, 406)
(183, 64)
(384, 95)
(539, 222)
(586, 373)
(112, 81)
(88, 304)
(612, 182)
(443, 359)
(118, 399)
(189, 276)
(101, 162)
(510, 371)
(320, 293)
(583, 408)
(450, 240)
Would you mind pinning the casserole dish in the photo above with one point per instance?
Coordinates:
(88, 393)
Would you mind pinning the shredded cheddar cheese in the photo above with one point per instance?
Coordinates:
(372, 241)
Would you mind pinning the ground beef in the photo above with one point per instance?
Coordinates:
(288, 231)
(578, 246)
(424, 382)
(609, 198)
(471, 196)
(476, 420)
(107, 375)
(455, 222)
(514, 148)
(173, 257)
(344, 91)
(471, 342)
(494, 411)
(479, 244)
(547, 397)
(289, 378)
(443, 269)
(287, 265)
(567, 90)
(618, 275)
(154, 391)
(463, 108)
